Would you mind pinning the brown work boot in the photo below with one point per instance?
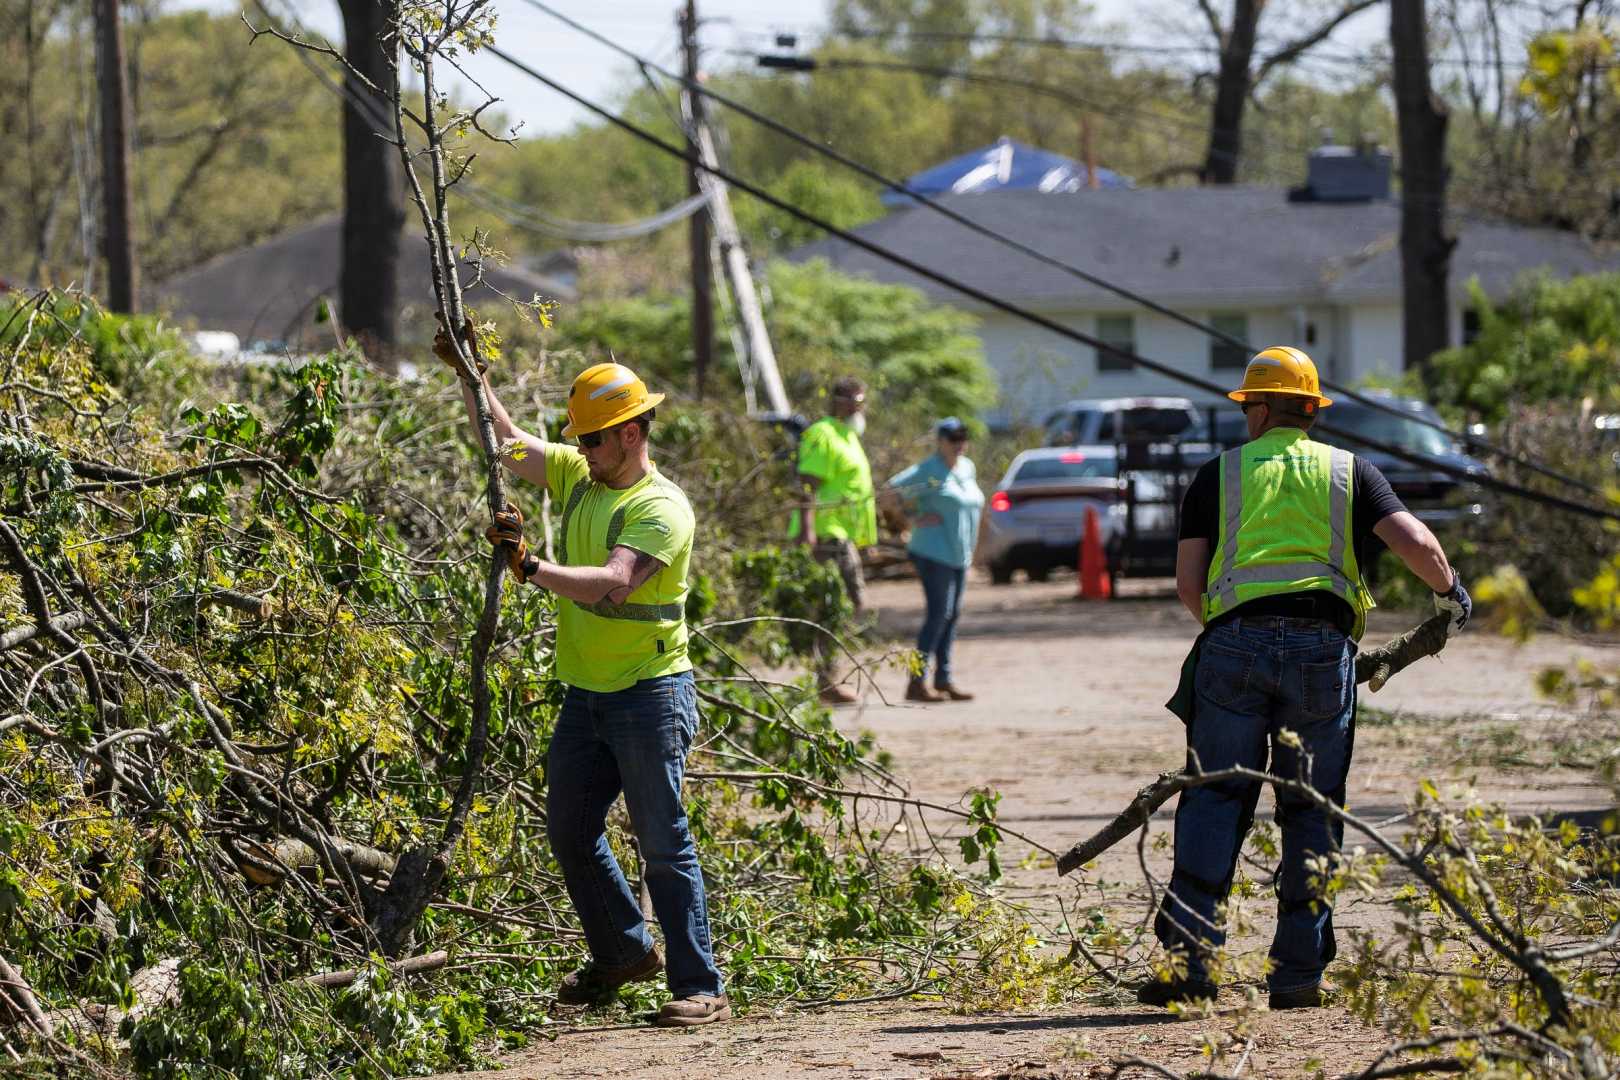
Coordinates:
(594, 982)
(694, 1009)
(838, 694)
(917, 690)
(950, 693)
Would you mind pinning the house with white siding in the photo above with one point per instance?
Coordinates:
(1266, 265)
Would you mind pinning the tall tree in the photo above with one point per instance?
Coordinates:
(1425, 245)
(1238, 76)
(118, 199)
(373, 182)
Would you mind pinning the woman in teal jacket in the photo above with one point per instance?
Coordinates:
(941, 496)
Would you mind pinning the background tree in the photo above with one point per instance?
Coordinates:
(1239, 75)
(1425, 244)
(373, 184)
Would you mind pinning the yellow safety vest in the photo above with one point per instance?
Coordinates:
(1285, 525)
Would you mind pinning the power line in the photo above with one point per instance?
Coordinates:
(1102, 45)
(1042, 257)
(1015, 310)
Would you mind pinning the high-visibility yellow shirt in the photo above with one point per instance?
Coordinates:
(830, 451)
(609, 647)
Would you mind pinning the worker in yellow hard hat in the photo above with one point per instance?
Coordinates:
(1274, 538)
(624, 545)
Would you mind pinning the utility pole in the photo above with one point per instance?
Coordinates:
(118, 238)
(698, 235)
(1425, 246)
(745, 298)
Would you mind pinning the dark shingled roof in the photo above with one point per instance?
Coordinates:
(1213, 247)
(268, 292)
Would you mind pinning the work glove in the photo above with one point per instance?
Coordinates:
(1455, 604)
(445, 350)
(506, 533)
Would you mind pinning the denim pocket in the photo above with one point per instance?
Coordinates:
(1223, 672)
(1323, 689)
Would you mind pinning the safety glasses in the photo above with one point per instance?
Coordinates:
(590, 440)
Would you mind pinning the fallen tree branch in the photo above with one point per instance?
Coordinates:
(263, 866)
(1374, 666)
(61, 624)
(20, 996)
(415, 965)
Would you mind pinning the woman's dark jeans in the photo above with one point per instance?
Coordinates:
(942, 589)
(1257, 677)
(634, 741)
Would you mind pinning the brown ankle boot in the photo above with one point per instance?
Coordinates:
(917, 690)
(950, 693)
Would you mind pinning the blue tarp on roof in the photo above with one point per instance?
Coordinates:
(1005, 165)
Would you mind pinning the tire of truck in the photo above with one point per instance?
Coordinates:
(1001, 573)
(1039, 571)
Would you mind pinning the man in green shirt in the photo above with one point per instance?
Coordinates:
(630, 713)
(837, 515)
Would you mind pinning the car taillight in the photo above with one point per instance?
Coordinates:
(1000, 502)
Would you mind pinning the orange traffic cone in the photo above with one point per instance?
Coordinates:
(1094, 580)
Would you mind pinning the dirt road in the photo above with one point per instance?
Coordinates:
(1069, 721)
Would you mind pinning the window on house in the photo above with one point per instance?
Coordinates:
(1471, 326)
(1118, 334)
(1223, 355)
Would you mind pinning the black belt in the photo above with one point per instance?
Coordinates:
(1317, 604)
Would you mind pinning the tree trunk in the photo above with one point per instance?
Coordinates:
(118, 239)
(1232, 93)
(1425, 246)
(373, 188)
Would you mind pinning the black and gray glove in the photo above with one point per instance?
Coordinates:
(1455, 604)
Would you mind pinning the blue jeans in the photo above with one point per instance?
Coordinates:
(633, 741)
(942, 591)
(1255, 677)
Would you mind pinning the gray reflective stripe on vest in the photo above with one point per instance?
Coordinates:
(615, 528)
(1232, 493)
(575, 497)
(634, 612)
(1341, 469)
(1339, 505)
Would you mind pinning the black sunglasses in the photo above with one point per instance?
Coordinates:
(591, 440)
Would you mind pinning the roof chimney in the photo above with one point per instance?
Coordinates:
(1340, 174)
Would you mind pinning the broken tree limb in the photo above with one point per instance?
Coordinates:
(20, 997)
(62, 624)
(257, 606)
(421, 870)
(262, 863)
(415, 965)
(1374, 666)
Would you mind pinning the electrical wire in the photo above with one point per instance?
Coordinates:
(1034, 318)
(1042, 257)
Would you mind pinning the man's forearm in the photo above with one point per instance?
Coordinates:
(586, 584)
(1416, 546)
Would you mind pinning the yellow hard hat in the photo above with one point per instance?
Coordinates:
(604, 395)
(1281, 369)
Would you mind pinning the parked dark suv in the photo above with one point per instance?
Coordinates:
(1436, 498)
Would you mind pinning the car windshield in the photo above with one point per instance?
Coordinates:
(1156, 422)
(1066, 467)
(1381, 427)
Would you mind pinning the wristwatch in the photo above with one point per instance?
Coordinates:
(530, 565)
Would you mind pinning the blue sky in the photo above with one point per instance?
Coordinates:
(648, 28)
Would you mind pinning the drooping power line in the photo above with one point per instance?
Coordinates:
(1017, 311)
